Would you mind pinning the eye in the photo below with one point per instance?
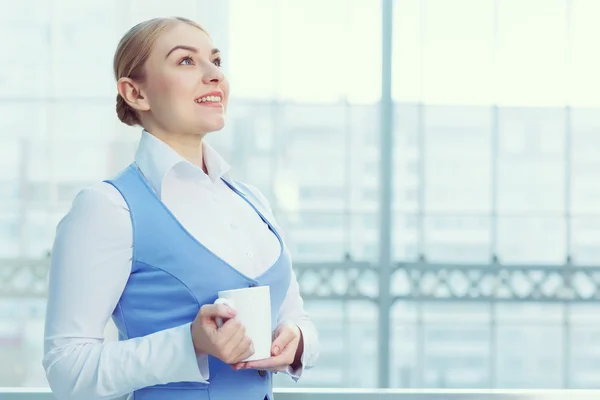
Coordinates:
(187, 60)
(218, 62)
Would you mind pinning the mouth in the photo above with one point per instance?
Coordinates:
(210, 99)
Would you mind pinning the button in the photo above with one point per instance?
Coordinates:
(250, 254)
(262, 373)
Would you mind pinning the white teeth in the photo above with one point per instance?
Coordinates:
(212, 99)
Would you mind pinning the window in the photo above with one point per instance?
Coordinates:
(496, 140)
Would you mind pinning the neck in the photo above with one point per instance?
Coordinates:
(186, 145)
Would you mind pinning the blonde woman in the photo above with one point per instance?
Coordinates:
(152, 247)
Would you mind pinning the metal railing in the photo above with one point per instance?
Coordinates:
(371, 394)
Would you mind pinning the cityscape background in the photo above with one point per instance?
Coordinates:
(496, 139)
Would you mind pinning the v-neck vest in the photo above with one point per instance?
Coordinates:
(173, 275)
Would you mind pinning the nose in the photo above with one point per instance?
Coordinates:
(213, 74)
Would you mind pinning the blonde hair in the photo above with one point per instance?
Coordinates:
(132, 52)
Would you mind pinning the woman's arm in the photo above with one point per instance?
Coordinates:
(91, 262)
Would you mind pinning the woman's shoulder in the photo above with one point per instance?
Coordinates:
(99, 195)
(97, 211)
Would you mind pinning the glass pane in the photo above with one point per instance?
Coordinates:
(529, 356)
(585, 232)
(457, 159)
(14, 114)
(458, 52)
(406, 336)
(531, 64)
(531, 164)
(458, 238)
(40, 228)
(407, 157)
(25, 54)
(584, 345)
(84, 38)
(10, 235)
(585, 160)
(142, 10)
(443, 60)
(458, 189)
(302, 45)
(531, 240)
(535, 313)
(70, 120)
(456, 357)
(583, 81)
(407, 51)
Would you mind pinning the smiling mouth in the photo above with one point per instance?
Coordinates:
(209, 100)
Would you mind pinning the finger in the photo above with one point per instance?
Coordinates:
(244, 349)
(249, 352)
(282, 340)
(239, 365)
(281, 361)
(268, 363)
(233, 334)
(231, 328)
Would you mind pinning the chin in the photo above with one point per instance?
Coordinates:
(213, 125)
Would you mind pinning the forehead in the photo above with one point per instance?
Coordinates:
(184, 34)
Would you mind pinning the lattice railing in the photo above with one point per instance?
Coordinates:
(423, 281)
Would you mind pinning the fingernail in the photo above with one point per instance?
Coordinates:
(231, 311)
(276, 350)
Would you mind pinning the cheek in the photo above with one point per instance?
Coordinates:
(170, 88)
(225, 88)
(183, 85)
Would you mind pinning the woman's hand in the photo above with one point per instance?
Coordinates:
(228, 343)
(286, 351)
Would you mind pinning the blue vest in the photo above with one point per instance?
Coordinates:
(173, 275)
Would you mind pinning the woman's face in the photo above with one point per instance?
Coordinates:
(184, 87)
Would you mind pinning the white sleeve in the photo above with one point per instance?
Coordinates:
(91, 262)
(292, 310)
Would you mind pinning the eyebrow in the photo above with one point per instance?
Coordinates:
(190, 48)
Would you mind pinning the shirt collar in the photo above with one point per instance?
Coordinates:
(156, 159)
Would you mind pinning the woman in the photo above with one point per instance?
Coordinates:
(152, 247)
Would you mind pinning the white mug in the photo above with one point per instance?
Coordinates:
(253, 310)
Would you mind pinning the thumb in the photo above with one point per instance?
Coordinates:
(283, 338)
(216, 310)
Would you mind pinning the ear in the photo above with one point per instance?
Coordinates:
(132, 93)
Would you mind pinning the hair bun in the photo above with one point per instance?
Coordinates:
(126, 114)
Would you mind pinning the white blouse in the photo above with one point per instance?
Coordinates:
(91, 262)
